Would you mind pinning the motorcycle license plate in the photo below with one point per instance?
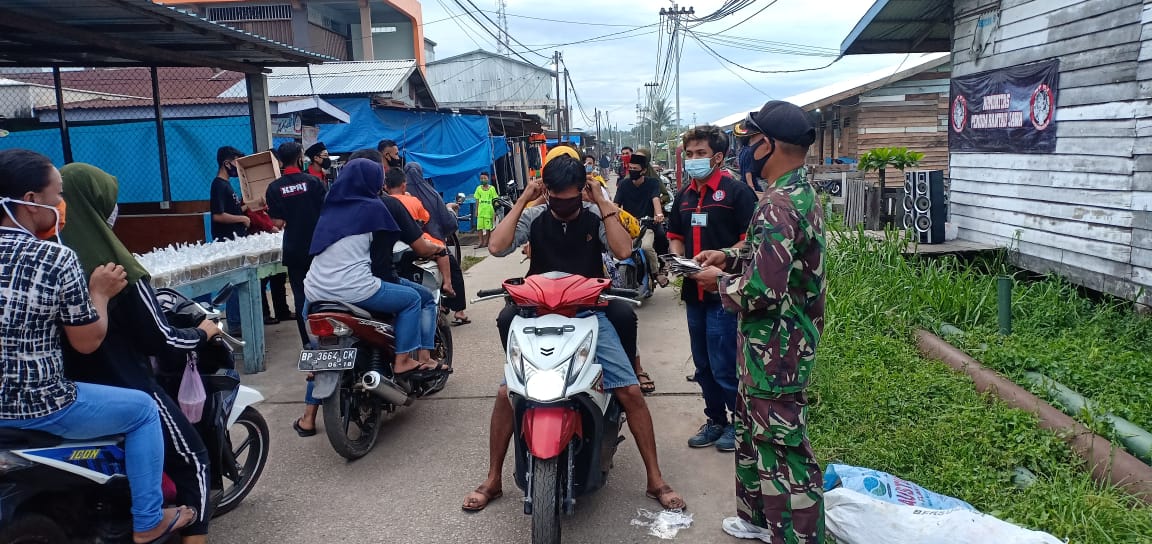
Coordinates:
(318, 360)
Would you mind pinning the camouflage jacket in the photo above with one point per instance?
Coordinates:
(776, 283)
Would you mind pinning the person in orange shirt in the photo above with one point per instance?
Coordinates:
(396, 184)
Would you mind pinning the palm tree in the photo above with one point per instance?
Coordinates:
(662, 117)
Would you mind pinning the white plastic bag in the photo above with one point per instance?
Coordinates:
(887, 488)
(191, 396)
(856, 518)
(665, 524)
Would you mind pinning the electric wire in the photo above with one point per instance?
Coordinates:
(734, 63)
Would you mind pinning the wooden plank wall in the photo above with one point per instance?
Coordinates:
(1142, 154)
(911, 112)
(1069, 212)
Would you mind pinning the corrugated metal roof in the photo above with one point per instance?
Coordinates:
(902, 26)
(131, 33)
(335, 78)
(849, 87)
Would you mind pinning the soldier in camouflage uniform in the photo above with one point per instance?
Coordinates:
(775, 282)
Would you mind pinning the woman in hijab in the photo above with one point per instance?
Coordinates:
(137, 330)
(443, 222)
(352, 263)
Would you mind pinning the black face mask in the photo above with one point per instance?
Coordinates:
(565, 207)
(231, 169)
(396, 163)
(635, 174)
(758, 164)
(326, 163)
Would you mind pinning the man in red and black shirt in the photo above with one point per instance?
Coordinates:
(712, 212)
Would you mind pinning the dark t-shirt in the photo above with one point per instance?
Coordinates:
(727, 206)
(383, 242)
(296, 199)
(637, 200)
(224, 200)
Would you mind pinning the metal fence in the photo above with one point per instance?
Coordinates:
(160, 150)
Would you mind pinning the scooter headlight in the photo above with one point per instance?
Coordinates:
(516, 356)
(581, 358)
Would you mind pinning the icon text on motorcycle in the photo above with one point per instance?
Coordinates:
(84, 455)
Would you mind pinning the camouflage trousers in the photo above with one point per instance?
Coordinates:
(779, 485)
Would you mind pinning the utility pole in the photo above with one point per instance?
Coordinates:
(556, 63)
(567, 108)
(503, 46)
(675, 14)
(651, 108)
(599, 140)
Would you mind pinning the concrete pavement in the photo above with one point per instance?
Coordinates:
(410, 487)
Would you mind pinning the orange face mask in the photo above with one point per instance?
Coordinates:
(52, 232)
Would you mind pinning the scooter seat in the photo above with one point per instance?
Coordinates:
(21, 439)
(345, 308)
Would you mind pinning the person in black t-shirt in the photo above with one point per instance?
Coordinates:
(712, 212)
(639, 195)
(567, 236)
(228, 219)
(294, 202)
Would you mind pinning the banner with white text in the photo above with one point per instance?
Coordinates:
(1005, 111)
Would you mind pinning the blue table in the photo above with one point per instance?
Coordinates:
(247, 280)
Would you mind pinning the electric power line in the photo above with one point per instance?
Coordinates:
(734, 63)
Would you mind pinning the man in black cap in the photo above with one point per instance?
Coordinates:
(775, 283)
(318, 159)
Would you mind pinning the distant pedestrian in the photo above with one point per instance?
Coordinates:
(485, 210)
(776, 284)
(605, 165)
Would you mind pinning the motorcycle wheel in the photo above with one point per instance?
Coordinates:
(453, 244)
(249, 456)
(627, 276)
(32, 529)
(443, 351)
(546, 501)
(348, 412)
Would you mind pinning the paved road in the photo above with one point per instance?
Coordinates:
(410, 487)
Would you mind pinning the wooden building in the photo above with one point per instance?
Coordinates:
(1082, 208)
(902, 106)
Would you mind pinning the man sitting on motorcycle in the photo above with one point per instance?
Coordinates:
(568, 235)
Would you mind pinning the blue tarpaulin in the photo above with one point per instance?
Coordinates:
(571, 138)
(452, 148)
(128, 151)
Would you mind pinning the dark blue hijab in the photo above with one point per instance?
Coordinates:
(443, 221)
(353, 206)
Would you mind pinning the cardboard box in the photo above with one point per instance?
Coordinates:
(256, 173)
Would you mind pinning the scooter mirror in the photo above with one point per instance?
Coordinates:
(223, 295)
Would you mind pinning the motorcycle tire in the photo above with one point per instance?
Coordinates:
(33, 529)
(546, 501)
(251, 467)
(336, 425)
(627, 275)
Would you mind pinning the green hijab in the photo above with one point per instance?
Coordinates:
(91, 196)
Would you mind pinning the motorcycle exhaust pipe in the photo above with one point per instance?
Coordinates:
(386, 389)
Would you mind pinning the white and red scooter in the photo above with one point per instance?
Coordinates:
(567, 426)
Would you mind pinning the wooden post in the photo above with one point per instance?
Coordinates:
(872, 207)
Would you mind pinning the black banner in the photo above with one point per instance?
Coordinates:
(1011, 110)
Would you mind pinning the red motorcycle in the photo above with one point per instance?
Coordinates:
(567, 425)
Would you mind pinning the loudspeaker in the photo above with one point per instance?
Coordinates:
(925, 205)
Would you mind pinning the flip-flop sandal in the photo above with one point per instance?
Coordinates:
(659, 494)
(301, 430)
(172, 528)
(488, 495)
(420, 373)
(647, 386)
(461, 321)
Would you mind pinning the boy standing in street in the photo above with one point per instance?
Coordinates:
(485, 211)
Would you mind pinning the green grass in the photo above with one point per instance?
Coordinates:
(877, 403)
(470, 261)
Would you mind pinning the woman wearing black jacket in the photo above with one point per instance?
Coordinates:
(137, 331)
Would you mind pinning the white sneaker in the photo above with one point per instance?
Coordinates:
(742, 529)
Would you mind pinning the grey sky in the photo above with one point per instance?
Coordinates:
(607, 74)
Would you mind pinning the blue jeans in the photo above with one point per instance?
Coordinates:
(712, 333)
(415, 311)
(101, 411)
